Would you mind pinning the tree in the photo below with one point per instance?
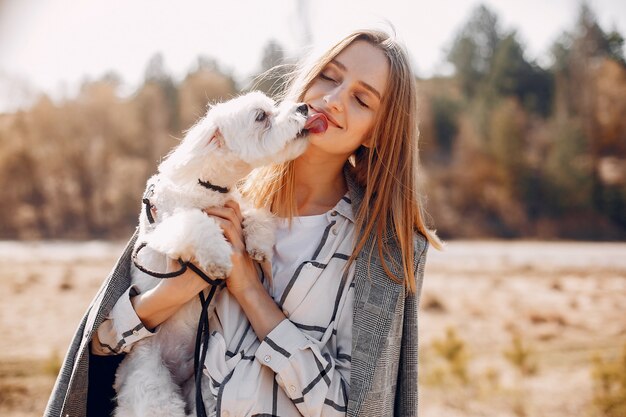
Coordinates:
(199, 88)
(512, 75)
(583, 96)
(271, 79)
(445, 113)
(156, 74)
(473, 49)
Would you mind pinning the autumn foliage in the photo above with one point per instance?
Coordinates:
(510, 148)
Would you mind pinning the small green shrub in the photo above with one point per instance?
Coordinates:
(454, 352)
(609, 380)
(520, 355)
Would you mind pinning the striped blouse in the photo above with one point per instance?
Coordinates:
(302, 367)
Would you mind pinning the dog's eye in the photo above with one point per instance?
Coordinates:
(261, 116)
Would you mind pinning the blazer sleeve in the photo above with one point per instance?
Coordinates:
(70, 392)
(121, 328)
(407, 396)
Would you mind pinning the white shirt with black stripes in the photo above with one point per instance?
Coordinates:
(303, 366)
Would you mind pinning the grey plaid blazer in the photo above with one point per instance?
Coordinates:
(383, 377)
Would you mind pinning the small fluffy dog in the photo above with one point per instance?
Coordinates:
(157, 377)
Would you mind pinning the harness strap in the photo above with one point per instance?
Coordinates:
(202, 337)
(204, 276)
(146, 201)
(202, 334)
(183, 265)
(201, 349)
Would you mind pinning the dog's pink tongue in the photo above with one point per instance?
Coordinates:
(316, 123)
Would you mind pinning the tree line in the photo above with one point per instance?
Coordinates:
(516, 149)
(510, 148)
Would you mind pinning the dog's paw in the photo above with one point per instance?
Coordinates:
(213, 252)
(216, 271)
(258, 234)
(216, 264)
(258, 255)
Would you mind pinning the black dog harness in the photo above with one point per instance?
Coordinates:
(213, 187)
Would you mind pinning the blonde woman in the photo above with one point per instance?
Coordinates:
(336, 332)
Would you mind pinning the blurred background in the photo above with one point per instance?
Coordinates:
(523, 126)
(523, 146)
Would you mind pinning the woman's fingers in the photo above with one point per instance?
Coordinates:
(243, 273)
(232, 233)
(230, 225)
(226, 213)
(229, 218)
(230, 210)
(235, 207)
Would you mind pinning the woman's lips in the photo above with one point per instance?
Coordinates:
(316, 123)
(330, 118)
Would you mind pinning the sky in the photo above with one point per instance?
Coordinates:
(53, 45)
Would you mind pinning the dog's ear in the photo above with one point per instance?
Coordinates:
(216, 139)
(197, 143)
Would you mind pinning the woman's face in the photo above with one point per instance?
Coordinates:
(349, 92)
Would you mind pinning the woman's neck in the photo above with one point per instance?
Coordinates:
(319, 183)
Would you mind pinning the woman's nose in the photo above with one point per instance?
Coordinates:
(333, 100)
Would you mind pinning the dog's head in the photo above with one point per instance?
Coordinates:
(245, 132)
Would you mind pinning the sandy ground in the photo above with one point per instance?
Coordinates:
(564, 302)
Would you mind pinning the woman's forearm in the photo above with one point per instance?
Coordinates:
(158, 304)
(150, 312)
(261, 310)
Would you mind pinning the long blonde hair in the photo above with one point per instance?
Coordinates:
(388, 169)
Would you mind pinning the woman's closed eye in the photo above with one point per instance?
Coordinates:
(327, 77)
(361, 102)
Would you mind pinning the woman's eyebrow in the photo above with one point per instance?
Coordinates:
(362, 83)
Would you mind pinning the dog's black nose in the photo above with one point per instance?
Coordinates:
(303, 109)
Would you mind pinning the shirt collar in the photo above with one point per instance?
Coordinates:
(344, 207)
(349, 204)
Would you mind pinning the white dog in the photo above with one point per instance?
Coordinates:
(156, 378)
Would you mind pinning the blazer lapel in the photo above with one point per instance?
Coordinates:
(375, 303)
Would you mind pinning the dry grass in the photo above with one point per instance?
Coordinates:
(24, 387)
(528, 318)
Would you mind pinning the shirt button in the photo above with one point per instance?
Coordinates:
(267, 358)
(334, 231)
(135, 332)
(333, 213)
(292, 388)
(309, 265)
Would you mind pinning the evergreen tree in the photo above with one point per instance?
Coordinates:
(473, 49)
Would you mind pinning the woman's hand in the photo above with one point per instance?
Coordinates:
(159, 303)
(243, 281)
(244, 276)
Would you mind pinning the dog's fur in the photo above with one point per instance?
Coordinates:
(156, 377)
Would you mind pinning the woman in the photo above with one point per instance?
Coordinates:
(336, 333)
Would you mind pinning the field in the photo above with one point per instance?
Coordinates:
(506, 328)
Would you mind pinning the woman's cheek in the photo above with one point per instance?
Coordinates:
(313, 91)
